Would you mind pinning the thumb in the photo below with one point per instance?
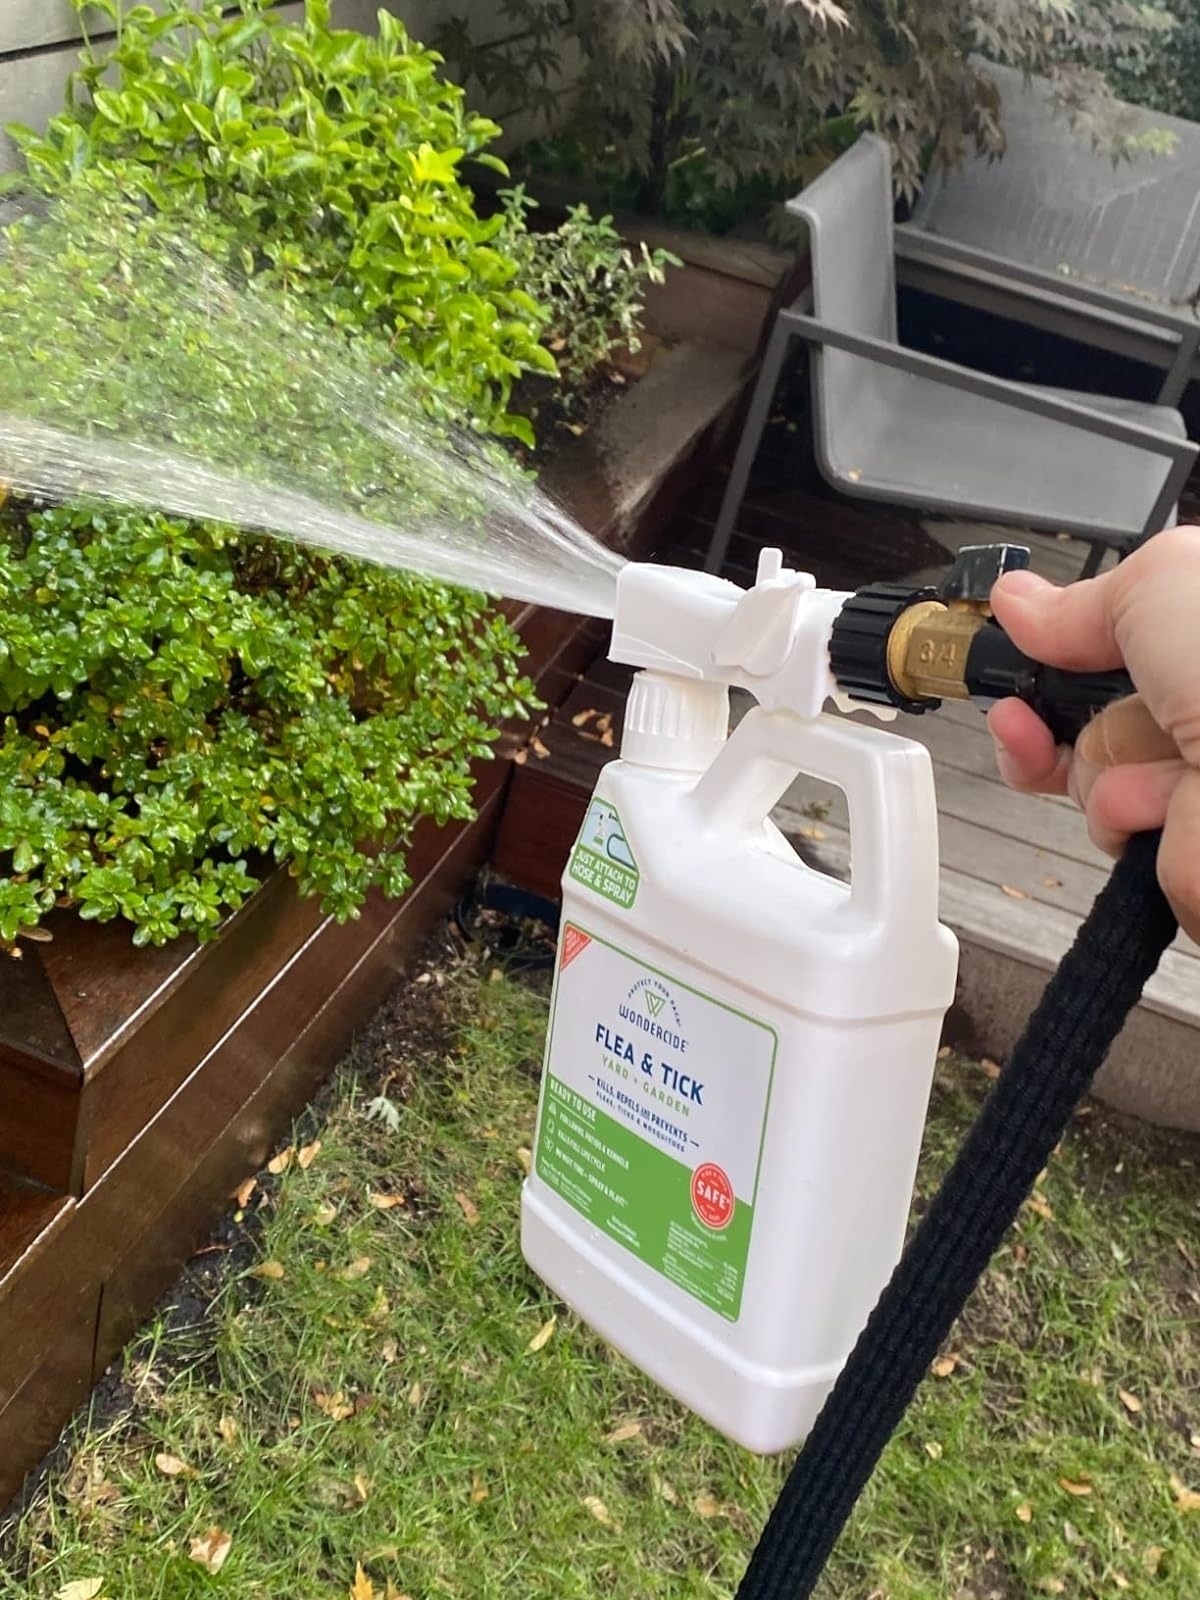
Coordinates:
(1071, 628)
(1141, 614)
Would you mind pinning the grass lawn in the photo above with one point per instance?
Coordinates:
(360, 1391)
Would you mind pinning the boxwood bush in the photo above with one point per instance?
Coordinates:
(182, 704)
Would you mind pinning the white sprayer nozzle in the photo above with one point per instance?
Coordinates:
(772, 639)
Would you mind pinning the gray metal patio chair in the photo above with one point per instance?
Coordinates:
(896, 425)
(1056, 236)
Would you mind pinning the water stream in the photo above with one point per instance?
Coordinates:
(136, 372)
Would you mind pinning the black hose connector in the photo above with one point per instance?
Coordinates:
(858, 644)
(1065, 701)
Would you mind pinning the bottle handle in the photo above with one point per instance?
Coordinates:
(888, 784)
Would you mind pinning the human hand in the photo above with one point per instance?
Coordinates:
(1137, 765)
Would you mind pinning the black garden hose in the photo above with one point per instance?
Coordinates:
(1065, 1042)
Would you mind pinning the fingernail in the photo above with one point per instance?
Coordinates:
(1022, 584)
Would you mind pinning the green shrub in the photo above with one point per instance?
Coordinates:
(182, 705)
(1167, 77)
(178, 704)
(323, 158)
(588, 281)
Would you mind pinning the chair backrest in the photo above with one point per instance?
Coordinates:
(849, 210)
(1054, 202)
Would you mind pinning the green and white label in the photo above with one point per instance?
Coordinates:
(602, 859)
(653, 1114)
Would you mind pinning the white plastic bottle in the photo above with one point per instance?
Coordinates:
(740, 1056)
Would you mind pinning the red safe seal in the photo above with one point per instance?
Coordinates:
(712, 1196)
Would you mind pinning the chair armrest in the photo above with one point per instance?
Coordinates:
(1036, 403)
(1105, 305)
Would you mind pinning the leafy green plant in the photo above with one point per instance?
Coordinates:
(1166, 77)
(327, 160)
(683, 102)
(180, 705)
(587, 279)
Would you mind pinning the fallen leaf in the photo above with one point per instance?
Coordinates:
(1040, 1207)
(1052, 1586)
(390, 1351)
(943, 1053)
(173, 1467)
(811, 831)
(991, 1069)
(1074, 1488)
(211, 1549)
(362, 1588)
(1121, 1581)
(414, 1396)
(933, 1450)
(1151, 1558)
(944, 1366)
(598, 1509)
(244, 1191)
(1130, 1401)
(324, 1215)
(627, 1430)
(479, 1490)
(582, 718)
(308, 1154)
(386, 1202)
(468, 1207)
(1185, 1499)
(704, 1505)
(394, 1594)
(335, 1406)
(665, 1489)
(81, 1589)
(362, 1488)
(1024, 1512)
(271, 1270)
(1052, 883)
(1013, 894)
(544, 1335)
(525, 1160)
(280, 1163)
(358, 1268)
(228, 1429)
(538, 748)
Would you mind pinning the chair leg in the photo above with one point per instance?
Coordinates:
(1095, 556)
(747, 450)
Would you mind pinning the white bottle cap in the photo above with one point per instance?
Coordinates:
(679, 724)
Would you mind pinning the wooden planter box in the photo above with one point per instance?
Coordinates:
(137, 1088)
